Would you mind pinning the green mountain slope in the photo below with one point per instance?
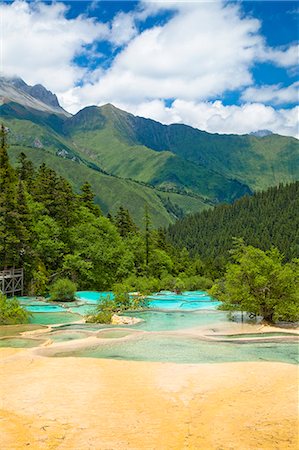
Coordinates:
(257, 162)
(269, 218)
(113, 192)
(93, 136)
(101, 134)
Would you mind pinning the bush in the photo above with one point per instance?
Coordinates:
(11, 312)
(103, 313)
(63, 290)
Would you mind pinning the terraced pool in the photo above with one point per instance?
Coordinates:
(160, 336)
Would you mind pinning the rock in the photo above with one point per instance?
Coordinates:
(124, 320)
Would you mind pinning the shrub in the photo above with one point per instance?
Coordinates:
(11, 312)
(63, 290)
(103, 313)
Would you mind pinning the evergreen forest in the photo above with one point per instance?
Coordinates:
(266, 219)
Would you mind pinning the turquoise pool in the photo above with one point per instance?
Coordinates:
(93, 296)
(87, 300)
(44, 308)
(185, 301)
(168, 321)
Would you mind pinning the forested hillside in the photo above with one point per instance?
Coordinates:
(269, 218)
(52, 232)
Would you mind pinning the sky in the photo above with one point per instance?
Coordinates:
(220, 66)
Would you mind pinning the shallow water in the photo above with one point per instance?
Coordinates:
(44, 308)
(18, 342)
(186, 301)
(176, 312)
(168, 321)
(54, 317)
(186, 350)
(66, 336)
(113, 334)
(93, 296)
(15, 330)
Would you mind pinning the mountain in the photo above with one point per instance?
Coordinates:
(185, 169)
(261, 133)
(266, 219)
(37, 97)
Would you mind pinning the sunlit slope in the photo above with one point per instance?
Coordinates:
(105, 136)
(257, 162)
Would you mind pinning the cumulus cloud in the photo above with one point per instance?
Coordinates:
(39, 43)
(273, 94)
(215, 117)
(123, 28)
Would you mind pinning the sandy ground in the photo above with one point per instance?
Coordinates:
(80, 403)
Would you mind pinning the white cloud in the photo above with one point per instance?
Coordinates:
(215, 117)
(205, 50)
(274, 94)
(39, 43)
(123, 29)
(285, 57)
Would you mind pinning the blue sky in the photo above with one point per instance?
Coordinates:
(227, 67)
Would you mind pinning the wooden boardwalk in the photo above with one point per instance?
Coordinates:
(12, 282)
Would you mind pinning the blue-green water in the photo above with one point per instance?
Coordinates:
(45, 308)
(93, 296)
(175, 312)
(59, 336)
(186, 350)
(185, 301)
(18, 342)
(168, 321)
(53, 318)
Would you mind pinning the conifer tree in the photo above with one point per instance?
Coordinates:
(87, 197)
(124, 222)
(25, 168)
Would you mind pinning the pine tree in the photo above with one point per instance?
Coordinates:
(124, 222)
(25, 168)
(87, 198)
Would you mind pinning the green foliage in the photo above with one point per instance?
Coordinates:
(259, 282)
(265, 219)
(63, 290)
(11, 312)
(87, 198)
(39, 282)
(104, 312)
